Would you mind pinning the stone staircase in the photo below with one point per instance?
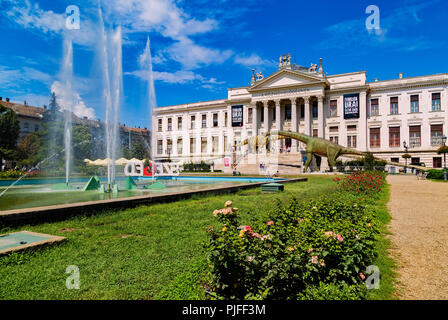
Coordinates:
(288, 164)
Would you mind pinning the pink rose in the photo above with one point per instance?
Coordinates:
(314, 259)
(339, 237)
(362, 276)
(270, 223)
(228, 203)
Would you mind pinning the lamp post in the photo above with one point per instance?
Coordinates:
(444, 157)
(406, 159)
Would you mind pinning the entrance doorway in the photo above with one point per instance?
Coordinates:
(288, 144)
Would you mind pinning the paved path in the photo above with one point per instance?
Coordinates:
(419, 229)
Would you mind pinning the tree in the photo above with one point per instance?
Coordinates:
(139, 151)
(28, 149)
(9, 133)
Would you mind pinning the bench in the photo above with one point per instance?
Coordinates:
(422, 175)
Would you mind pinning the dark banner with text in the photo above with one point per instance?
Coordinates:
(351, 106)
(237, 116)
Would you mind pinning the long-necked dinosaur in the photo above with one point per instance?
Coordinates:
(316, 146)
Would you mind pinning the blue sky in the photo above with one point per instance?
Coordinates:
(201, 48)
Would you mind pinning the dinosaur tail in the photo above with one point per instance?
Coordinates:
(293, 135)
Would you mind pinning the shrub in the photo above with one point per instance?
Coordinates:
(302, 245)
(362, 182)
(197, 167)
(435, 174)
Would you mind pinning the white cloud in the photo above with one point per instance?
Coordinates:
(30, 16)
(179, 77)
(192, 56)
(63, 98)
(252, 61)
(163, 16)
(11, 78)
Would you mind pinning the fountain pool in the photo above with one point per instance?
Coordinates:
(32, 193)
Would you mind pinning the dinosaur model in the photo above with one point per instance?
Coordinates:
(317, 146)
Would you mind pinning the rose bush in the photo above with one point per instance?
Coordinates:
(301, 246)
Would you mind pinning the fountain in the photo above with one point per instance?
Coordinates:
(111, 58)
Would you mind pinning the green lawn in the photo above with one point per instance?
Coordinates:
(150, 252)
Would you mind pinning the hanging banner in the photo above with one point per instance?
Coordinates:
(351, 106)
(237, 116)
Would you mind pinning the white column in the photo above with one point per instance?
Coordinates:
(278, 122)
(174, 146)
(266, 116)
(320, 117)
(294, 123)
(362, 142)
(307, 116)
(229, 128)
(255, 119)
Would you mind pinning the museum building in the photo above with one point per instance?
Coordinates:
(380, 116)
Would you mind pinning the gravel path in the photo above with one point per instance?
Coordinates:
(419, 229)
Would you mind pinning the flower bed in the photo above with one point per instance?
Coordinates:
(304, 250)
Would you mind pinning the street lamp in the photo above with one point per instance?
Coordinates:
(444, 157)
(405, 159)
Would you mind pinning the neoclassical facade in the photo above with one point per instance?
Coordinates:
(374, 116)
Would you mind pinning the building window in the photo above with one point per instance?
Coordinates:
(415, 161)
(179, 146)
(159, 125)
(396, 160)
(215, 145)
(374, 107)
(225, 119)
(334, 139)
(436, 135)
(169, 146)
(437, 162)
(394, 136)
(204, 121)
(375, 137)
(436, 102)
(203, 145)
(351, 141)
(302, 111)
(26, 127)
(215, 120)
(179, 123)
(414, 103)
(394, 105)
(36, 128)
(333, 108)
(334, 129)
(351, 127)
(315, 132)
(159, 147)
(274, 114)
(192, 145)
(415, 136)
(315, 109)
(288, 112)
(170, 124)
(250, 115)
(193, 121)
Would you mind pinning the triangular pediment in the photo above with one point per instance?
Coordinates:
(285, 78)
